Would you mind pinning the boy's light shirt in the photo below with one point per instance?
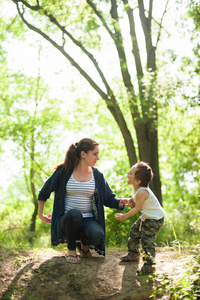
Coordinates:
(151, 208)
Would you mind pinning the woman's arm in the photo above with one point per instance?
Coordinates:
(49, 186)
(43, 217)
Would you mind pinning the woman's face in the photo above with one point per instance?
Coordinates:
(92, 156)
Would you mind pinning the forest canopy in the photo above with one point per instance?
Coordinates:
(124, 73)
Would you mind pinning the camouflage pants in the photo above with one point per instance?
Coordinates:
(146, 233)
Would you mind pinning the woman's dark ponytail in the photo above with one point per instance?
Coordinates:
(71, 158)
(73, 154)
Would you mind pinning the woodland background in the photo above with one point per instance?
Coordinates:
(138, 95)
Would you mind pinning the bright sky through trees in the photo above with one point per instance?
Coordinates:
(58, 72)
(60, 75)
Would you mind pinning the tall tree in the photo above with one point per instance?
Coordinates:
(68, 25)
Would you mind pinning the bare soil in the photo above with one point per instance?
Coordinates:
(45, 275)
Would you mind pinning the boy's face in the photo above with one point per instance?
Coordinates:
(131, 177)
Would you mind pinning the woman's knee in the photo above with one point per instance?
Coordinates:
(73, 217)
(97, 238)
(101, 238)
(93, 237)
(74, 214)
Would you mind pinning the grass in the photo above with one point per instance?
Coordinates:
(180, 278)
(180, 230)
(182, 281)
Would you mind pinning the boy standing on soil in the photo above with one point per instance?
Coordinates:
(148, 224)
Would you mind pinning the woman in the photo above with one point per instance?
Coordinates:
(81, 191)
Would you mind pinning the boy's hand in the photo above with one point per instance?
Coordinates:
(120, 217)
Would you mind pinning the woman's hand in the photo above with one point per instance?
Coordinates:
(124, 201)
(45, 219)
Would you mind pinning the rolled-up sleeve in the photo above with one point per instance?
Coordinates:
(49, 186)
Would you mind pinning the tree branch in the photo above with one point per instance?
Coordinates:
(32, 7)
(77, 43)
(150, 10)
(135, 47)
(120, 48)
(60, 48)
(109, 98)
(118, 40)
(146, 25)
(101, 18)
(160, 25)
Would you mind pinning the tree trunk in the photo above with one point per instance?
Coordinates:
(32, 184)
(148, 152)
(33, 218)
(142, 105)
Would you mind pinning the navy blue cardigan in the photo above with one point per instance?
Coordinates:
(57, 184)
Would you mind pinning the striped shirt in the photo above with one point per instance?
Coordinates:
(79, 196)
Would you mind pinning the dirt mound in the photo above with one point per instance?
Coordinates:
(45, 275)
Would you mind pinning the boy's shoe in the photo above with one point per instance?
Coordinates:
(130, 257)
(146, 269)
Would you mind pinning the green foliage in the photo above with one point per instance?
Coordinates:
(11, 25)
(117, 233)
(181, 227)
(192, 13)
(27, 110)
(180, 159)
(29, 122)
(185, 284)
(74, 283)
(14, 230)
(88, 113)
(15, 225)
(181, 224)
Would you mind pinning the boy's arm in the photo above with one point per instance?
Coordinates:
(141, 197)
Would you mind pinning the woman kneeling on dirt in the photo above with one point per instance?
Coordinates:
(81, 191)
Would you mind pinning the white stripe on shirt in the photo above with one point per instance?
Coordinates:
(79, 196)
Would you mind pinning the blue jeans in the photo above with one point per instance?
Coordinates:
(74, 227)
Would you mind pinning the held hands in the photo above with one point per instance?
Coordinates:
(131, 202)
(125, 201)
(128, 201)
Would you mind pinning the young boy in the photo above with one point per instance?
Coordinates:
(148, 224)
